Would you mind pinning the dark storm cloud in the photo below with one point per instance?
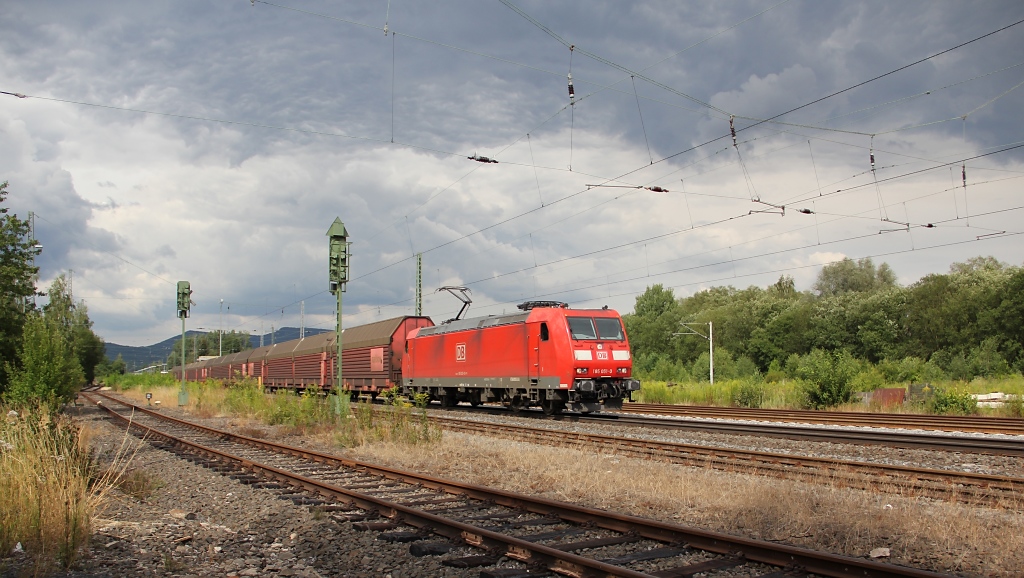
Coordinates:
(241, 210)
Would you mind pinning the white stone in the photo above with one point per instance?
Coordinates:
(879, 553)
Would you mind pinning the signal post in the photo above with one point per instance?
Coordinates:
(184, 304)
(338, 278)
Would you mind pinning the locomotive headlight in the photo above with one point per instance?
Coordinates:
(623, 370)
(581, 371)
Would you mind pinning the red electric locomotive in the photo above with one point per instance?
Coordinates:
(548, 355)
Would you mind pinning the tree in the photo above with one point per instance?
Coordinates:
(853, 276)
(48, 371)
(207, 344)
(655, 317)
(73, 321)
(17, 283)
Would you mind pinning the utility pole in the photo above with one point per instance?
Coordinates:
(338, 254)
(711, 343)
(419, 284)
(220, 331)
(302, 319)
(37, 248)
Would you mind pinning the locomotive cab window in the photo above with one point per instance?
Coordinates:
(543, 331)
(582, 328)
(609, 328)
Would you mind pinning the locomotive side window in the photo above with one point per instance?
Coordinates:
(609, 328)
(582, 328)
(543, 331)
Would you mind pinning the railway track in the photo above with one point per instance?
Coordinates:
(979, 424)
(985, 489)
(933, 441)
(441, 517)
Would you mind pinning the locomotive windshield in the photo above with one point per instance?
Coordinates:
(607, 328)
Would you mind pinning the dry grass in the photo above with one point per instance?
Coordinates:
(50, 488)
(940, 536)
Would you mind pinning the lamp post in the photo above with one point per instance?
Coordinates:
(711, 343)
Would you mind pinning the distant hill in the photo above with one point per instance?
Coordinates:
(146, 355)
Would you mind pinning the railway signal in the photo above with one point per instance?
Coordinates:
(184, 299)
(338, 277)
(184, 304)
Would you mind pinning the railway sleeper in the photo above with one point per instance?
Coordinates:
(512, 573)
(706, 566)
(470, 561)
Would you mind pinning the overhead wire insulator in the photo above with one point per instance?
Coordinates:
(482, 159)
(806, 211)
(963, 174)
(872, 154)
(656, 189)
(572, 91)
(732, 128)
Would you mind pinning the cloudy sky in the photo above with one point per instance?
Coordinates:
(215, 142)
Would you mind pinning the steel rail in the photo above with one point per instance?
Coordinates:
(1005, 446)
(558, 561)
(978, 424)
(966, 487)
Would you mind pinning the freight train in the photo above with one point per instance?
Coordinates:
(545, 355)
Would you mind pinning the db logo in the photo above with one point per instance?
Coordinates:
(460, 352)
(602, 355)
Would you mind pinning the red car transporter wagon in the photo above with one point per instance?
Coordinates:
(548, 355)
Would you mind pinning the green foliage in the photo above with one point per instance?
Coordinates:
(954, 401)
(48, 371)
(827, 377)
(654, 319)
(17, 283)
(126, 381)
(869, 379)
(106, 367)
(964, 324)
(848, 276)
(751, 393)
(209, 344)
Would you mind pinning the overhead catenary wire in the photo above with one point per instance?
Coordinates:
(642, 125)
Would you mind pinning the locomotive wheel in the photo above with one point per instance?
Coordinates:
(517, 404)
(552, 406)
(448, 399)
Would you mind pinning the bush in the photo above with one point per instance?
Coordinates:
(953, 401)
(868, 380)
(775, 372)
(49, 372)
(827, 377)
(750, 393)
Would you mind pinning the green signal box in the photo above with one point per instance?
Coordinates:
(339, 254)
(184, 299)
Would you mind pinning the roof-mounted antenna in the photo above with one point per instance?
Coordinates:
(461, 293)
